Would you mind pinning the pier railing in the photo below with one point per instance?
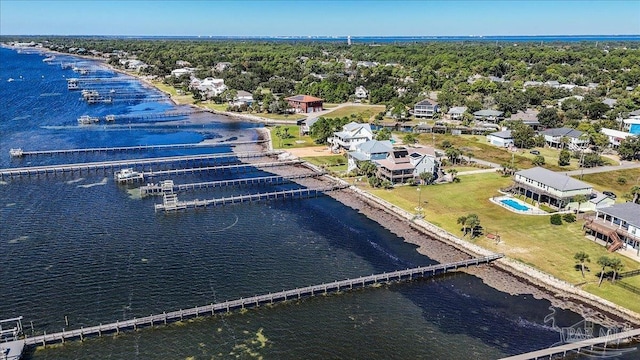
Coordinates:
(255, 301)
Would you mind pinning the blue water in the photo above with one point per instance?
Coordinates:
(514, 204)
(83, 247)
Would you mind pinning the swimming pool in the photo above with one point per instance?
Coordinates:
(515, 205)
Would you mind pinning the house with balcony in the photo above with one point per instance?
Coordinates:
(396, 167)
(528, 117)
(423, 160)
(456, 112)
(368, 151)
(351, 135)
(554, 138)
(549, 187)
(305, 103)
(500, 138)
(618, 225)
(488, 115)
(615, 136)
(425, 108)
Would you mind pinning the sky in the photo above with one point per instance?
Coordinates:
(319, 18)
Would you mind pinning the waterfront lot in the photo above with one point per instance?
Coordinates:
(365, 112)
(295, 140)
(530, 239)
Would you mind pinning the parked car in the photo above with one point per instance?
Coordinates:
(609, 194)
(535, 152)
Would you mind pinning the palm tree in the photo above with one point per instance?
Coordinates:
(473, 222)
(453, 154)
(604, 262)
(581, 257)
(579, 199)
(426, 177)
(635, 191)
(462, 220)
(616, 265)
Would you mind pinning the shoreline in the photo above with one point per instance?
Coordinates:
(507, 275)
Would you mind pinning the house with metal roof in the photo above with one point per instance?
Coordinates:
(546, 186)
(456, 112)
(489, 115)
(553, 137)
(500, 138)
(351, 135)
(618, 225)
(368, 151)
(425, 108)
(615, 136)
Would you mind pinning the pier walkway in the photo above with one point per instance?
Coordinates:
(158, 189)
(238, 167)
(170, 200)
(594, 347)
(255, 301)
(119, 164)
(19, 152)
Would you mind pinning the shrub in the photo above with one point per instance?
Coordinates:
(622, 180)
(569, 218)
(556, 219)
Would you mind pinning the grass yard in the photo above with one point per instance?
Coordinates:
(608, 181)
(180, 99)
(295, 141)
(335, 163)
(530, 239)
(366, 111)
(292, 117)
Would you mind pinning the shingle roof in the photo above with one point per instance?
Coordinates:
(502, 134)
(375, 147)
(635, 113)
(387, 164)
(553, 179)
(457, 110)
(427, 102)
(571, 133)
(304, 98)
(629, 212)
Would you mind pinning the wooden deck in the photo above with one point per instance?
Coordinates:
(131, 148)
(119, 164)
(255, 301)
(594, 347)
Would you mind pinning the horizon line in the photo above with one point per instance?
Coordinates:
(329, 36)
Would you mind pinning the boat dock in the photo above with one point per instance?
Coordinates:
(19, 152)
(119, 164)
(170, 200)
(256, 301)
(238, 167)
(162, 115)
(165, 186)
(595, 347)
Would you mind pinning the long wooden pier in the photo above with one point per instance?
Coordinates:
(171, 203)
(256, 301)
(119, 164)
(595, 347)
(162, 115)
(20, 152)
(158, 189)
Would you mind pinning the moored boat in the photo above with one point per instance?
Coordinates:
(128, 175)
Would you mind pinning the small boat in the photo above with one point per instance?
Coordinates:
(10, 80)
(49, 59)
(127, 175)
(86, 119)
(110, 118)
(16, 152)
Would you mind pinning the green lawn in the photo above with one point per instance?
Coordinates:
(530, 239)
(292, 117)
(295, 141)
(180, 99)
(366, 111)
(335, 163)
(214, 106)
(609, 181)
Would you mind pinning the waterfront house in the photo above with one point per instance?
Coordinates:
(396, 167)
(305, 103)
(425, 108)
(351, 135)
(306, 124)
(546, 186)
(456, 112)
(361, 92)
(209, 86)
(243, 98)
(182, 72)
(500, 138)
(615, 136)
(488, 115)
(554, 138)
(618, 225)
(423, 160)
(368, 151)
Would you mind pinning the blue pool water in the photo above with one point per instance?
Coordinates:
(515, 205)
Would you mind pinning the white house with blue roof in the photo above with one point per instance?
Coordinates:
(351, 135)
(368, 151)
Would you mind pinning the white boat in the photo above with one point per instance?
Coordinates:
(10, 80)
(86, 119)
(16, 152)
(127, 175)
(49, 59)
(110, 118)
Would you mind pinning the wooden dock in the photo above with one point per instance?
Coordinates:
(20, 153)
(594, 347)
(160, 188)
(119, 164)
(237, 167)
(170, 200)
(255, 301)
(162, 115)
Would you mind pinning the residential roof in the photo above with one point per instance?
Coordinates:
(375, 146)
(629, 212)
(388, 164)
(610, 102)
(599, 198)
(571, 133)
(426, 102)
(502, 134)
(530, 116)
(635, 113)
(615, 133)
(553, 179)
(304, 98)
(457, 110)
(488, 112)
(243, 93)
(352, 126)
(428, 151)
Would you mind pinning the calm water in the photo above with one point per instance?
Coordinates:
(86, 248)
